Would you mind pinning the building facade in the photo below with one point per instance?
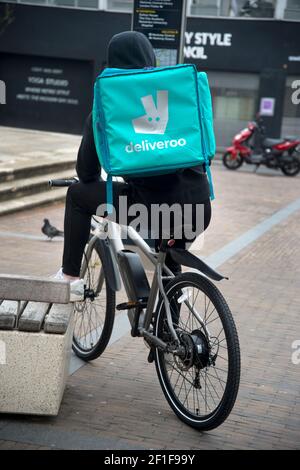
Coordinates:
(51, 52)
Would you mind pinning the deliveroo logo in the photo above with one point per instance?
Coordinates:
(156, 119)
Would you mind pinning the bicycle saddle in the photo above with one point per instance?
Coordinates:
(177, 232)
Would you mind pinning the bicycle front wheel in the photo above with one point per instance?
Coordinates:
(94, 318)
(201, 383)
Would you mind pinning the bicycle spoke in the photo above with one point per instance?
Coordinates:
(90, 315)
(218, 380)
(206, 404)
(208, 387)
(211, 321)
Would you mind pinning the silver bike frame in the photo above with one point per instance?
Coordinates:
(116, 233)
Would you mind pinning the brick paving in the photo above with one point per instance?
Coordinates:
(118, 399)
(13, 445)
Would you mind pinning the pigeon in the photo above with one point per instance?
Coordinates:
(50, 231)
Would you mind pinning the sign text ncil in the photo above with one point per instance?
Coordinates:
(196, 43)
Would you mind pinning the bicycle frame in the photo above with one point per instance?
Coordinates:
(114, 235)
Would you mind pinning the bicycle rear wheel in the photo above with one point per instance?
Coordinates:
(201, 384)
(94, 318)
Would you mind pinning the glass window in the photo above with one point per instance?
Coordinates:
(205, 7)
(291, 110)
(93, 4)
(234, 95)
(234, 102)
(114, 5)
(287, 9)
(292, 10)
(120, 5)
(237, 8)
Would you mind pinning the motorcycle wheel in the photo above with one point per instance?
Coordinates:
(232, 163)
(291, 168)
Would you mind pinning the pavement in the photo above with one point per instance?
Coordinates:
(19, 148)
(116, 402)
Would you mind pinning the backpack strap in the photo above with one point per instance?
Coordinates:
(109, 195)
(210, 181)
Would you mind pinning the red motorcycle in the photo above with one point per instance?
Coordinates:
(251, 146)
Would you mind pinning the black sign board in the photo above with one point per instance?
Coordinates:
(46, 93)
(163, 22)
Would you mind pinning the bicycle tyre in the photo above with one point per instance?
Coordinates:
(222, 411)
(98, 347)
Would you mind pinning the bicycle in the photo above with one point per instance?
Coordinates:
(184, 320)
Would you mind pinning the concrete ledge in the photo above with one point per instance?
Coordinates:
(33, 371)
(34, 289)
(34, 364)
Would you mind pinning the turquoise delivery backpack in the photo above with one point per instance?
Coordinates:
(152, 121)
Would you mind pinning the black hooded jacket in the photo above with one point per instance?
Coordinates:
(133, 50)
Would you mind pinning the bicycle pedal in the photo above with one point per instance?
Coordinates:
(130, 305)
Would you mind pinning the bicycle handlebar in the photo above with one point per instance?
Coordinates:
(63, 183)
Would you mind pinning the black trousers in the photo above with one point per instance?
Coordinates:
(83, 200)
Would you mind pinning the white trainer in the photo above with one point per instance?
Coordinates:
(76, 287)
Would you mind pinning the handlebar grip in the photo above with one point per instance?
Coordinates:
(62, 183)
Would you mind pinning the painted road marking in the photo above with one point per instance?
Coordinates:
(231, 249)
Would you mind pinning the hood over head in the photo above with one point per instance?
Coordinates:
(130, 50)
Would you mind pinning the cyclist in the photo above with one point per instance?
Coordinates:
(126, 50)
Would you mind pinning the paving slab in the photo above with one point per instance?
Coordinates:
(20, 148)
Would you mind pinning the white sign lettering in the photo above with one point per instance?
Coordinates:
(196, 43)
(45, 89)
(296, 93)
